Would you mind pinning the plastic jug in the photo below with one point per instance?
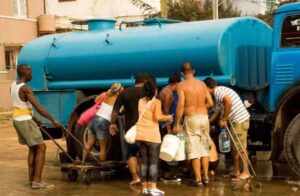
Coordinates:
(224, 141)
(169, 147)
(180, 155)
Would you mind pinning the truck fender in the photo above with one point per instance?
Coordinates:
(73, 127)
(287, 108)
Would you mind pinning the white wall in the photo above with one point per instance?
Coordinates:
(250, 7)
(85, 9)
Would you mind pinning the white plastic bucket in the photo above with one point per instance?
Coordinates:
(169, 147)
(180, 155)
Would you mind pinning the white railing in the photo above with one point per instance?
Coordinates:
(18, 18)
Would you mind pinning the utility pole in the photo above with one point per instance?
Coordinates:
(163, 8)
(215, 9)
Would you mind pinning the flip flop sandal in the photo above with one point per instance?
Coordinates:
(197, 183)
(230, 176)
(237, 179)
(206, 182)
(134, 182)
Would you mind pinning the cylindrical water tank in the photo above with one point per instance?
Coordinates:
(235, 50)
(46, 24)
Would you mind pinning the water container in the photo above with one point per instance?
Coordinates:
(180, 155)
(169, 147)
(224, 141)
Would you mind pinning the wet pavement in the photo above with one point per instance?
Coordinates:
(13, 176)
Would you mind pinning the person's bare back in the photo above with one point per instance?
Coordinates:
(193, 101)
(195, 96)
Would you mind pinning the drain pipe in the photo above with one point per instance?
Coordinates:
(44, 6)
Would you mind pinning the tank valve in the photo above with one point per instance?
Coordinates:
(106, 39)
(53, 43)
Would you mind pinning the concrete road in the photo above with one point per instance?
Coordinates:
(13, 177)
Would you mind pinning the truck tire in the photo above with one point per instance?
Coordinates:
(80, 131)
(292, 144)
(81, 134)
(114, 147)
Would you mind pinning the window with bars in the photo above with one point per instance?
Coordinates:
(65, 0)
(11, 56)
(20, 8)
(10, 59)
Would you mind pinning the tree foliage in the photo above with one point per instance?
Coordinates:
(268, 17)
(228, 10)
(189, 10)
(287, 2)
(147, 9)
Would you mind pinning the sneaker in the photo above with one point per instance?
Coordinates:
(205, 182)
(145, 191)
(28, 184)
(156, 192)
(172, 179)
(47, 185)
(197, 184)
(42, 185)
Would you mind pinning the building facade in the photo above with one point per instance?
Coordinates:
(251, 7)
(68, 10)
(18, 24)
(255, 7)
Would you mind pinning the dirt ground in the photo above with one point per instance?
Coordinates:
(14, 176)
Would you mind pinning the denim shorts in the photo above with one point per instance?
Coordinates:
(131, 150)
(99, 127)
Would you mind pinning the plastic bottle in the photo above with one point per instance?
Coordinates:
(77, 160)
(181, 136)
(224, 141)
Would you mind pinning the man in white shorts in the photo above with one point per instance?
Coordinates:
(193, 101)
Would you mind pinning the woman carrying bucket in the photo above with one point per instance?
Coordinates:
(148, 136)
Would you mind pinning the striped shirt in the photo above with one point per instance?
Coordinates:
(238, 111)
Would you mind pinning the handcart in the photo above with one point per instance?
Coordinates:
(75, 168)
(247, 184)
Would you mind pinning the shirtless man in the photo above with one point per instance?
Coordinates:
(193, 101)
(169, 99)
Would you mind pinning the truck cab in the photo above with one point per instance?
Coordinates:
(284, 94)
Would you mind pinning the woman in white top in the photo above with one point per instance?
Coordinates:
(98, 127)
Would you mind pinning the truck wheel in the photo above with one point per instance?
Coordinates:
(88, 178)
(292, 144)
(79, 131)
(72, 174)
(81, 134)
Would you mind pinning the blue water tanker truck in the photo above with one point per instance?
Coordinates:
(262, 64)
